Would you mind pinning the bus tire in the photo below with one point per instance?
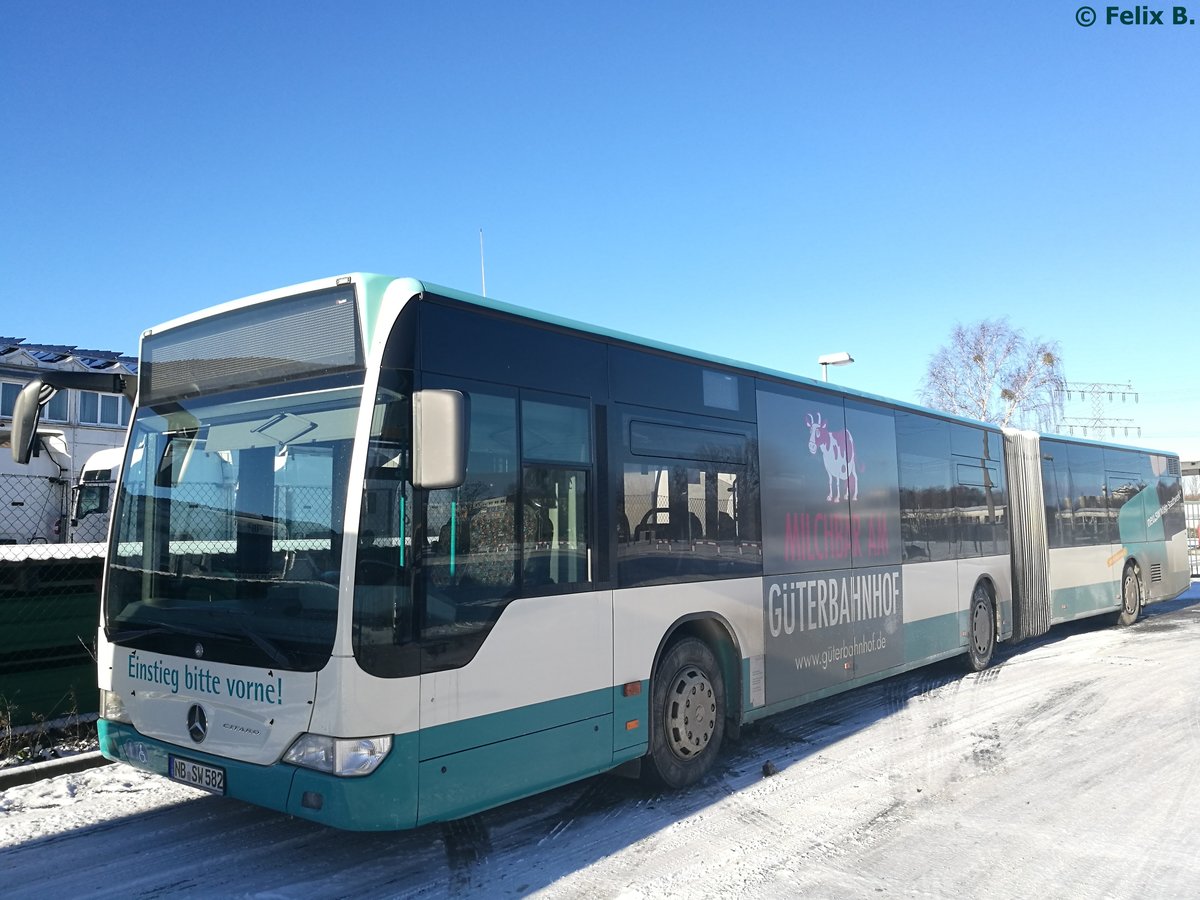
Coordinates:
(687, 715)
(981, 629)
(1131, 596)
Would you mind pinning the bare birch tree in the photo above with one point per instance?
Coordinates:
(993, 372)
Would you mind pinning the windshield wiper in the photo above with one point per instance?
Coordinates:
(276, 655)
(161, 628)
(266, 646)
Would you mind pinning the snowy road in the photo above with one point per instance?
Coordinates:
(1068, 769)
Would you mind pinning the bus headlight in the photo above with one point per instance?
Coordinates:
(112, 707)
(344, 757)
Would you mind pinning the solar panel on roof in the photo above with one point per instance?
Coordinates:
(53, 353)
(96, 354)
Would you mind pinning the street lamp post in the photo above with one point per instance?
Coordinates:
(833, 359)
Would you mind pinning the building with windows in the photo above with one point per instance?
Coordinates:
(35, 499)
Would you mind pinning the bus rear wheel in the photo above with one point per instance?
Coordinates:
(1131, 596)
(687, 715)
(981, 629)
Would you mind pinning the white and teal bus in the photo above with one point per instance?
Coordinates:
(464, 552)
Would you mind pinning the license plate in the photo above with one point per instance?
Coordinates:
(197, 774)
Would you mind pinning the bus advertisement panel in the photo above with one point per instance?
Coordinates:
(833, 597)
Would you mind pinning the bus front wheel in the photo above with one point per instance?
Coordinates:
(687, 715)
(1131, 596)
(981, 625)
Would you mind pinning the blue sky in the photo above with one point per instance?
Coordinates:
(765, 181)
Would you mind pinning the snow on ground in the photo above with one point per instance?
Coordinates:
(1067, 769)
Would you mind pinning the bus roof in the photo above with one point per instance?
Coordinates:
(376, 284)
(675, 350)
(776, 374)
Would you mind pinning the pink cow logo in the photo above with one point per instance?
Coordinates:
(837, 452)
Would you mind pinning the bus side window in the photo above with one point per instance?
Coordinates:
(688, 505)
(555, 545)
(383, 608)
(470, 566)
(556, 454)
(1089, 505)
(927, 514)
(519, 525)
(978, 492)
(1057, 497)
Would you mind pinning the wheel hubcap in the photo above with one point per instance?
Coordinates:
(1131, 593)
(691, 713)
(981, 628)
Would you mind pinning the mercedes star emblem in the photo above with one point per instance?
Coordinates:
(197, 723)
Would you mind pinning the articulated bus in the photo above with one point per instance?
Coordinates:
(464, 552)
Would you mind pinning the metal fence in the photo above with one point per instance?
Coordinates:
(33, 509)
(49, 614)
(1191, 514)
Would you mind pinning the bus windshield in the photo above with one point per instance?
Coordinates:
(228, 534)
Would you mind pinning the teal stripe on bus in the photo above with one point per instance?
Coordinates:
(262, 785)
(453, 533)
(927, 638)
(355, 803)
(348, 803)
(1086, 600)
(473, 780)
(454, 737)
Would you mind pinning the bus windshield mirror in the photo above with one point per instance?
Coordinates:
(439, 439)
(27, 409)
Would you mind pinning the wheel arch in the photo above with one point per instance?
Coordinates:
(713, 630)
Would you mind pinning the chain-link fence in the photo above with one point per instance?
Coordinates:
(33, 509)
(1191, 513)
(49, 605)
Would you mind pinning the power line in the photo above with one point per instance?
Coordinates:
(1100, 394)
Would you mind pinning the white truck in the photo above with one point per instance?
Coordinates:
(39, 506)
(92, 504)
(33, 497)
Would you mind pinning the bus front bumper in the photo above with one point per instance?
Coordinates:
(355, 804)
